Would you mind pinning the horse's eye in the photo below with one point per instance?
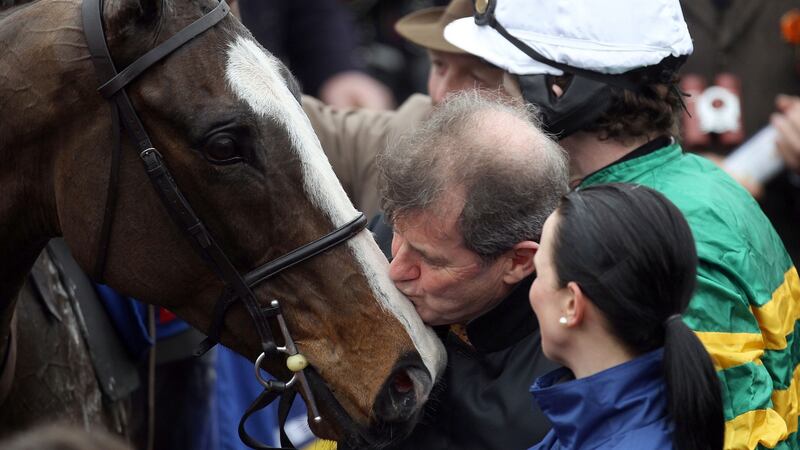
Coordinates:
(222, 148)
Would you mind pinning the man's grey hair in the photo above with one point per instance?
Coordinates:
(490, 148)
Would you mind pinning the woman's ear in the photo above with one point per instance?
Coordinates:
(520, 262)
(575, 307)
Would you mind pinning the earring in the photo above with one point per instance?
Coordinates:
(562, 320)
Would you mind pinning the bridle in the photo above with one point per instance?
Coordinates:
(238, 286)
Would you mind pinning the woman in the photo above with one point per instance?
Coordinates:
(615, 269)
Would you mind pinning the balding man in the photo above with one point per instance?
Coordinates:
(467, 194)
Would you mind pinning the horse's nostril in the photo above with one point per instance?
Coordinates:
(403, 383)
(404, 393)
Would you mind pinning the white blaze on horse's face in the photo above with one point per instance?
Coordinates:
(254, 77)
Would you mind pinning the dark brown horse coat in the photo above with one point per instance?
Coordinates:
(221, 112)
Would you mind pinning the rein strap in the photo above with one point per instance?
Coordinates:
(237, 286)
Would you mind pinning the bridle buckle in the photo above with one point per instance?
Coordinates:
(295, 358)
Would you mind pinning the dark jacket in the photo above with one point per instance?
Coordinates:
(744, 38)
(481, 400)
(621, 408)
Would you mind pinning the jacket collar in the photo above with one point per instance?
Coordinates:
(643, 150)
(586, 412)
(630, 168)
(505, 324)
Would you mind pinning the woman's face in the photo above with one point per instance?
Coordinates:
(547, 297)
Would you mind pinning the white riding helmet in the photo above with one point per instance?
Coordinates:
(602, 43)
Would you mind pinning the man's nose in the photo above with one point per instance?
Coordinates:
(401, 268)
(439, 92)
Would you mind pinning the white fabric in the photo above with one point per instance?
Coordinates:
(606, 36)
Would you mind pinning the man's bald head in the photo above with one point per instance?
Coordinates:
(490, 153)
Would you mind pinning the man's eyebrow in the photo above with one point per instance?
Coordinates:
(425, 254)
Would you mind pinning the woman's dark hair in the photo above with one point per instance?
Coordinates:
(632, 253)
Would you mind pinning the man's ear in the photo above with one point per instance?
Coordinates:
(575, 307)
(511, 86)
(519, 262)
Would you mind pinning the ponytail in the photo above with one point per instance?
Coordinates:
(694, 399)
(632, 253)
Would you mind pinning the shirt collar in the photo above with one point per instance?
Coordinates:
(505, 324)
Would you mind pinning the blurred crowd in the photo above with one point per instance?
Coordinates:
(389, 60)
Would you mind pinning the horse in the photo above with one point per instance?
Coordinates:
(225, 118)
(58, 381)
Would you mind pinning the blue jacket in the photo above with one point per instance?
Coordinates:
(621, 408)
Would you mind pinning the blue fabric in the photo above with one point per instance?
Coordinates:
(621, 408)
(235, 388)
(129, 317)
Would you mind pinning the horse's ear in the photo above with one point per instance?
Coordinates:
(127, 22)
(122, 16)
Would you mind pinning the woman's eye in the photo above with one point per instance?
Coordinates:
(222, 149)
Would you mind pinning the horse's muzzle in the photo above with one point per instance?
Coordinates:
(405, 391)
(394, 414)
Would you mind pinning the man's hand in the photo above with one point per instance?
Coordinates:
(787, 122)
(353, 89)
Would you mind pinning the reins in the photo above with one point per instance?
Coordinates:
(238, 286)
(8, 358)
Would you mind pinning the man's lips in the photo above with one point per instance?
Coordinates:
(414, 299)
(407, 292)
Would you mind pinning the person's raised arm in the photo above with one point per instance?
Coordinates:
(787, 121)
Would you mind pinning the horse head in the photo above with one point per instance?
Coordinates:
(225, 115)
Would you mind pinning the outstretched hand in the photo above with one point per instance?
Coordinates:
(752, 186)
(354, 89)
(787, 122)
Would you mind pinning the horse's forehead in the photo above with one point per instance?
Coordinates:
(255, 77)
